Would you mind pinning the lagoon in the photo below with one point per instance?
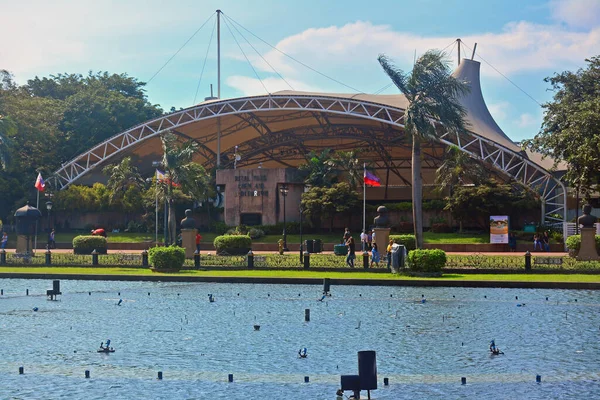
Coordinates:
(423, 348)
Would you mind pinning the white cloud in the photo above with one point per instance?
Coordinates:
(527, 120)
(499, 110)
(252, 86)
(576, 13)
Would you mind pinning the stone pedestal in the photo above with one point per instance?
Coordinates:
(22, 245)
(587, 251)
(382, 238)
(188, 241)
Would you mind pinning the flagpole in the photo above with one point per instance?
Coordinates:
(364, 198)
(36, 223)
(156, 210)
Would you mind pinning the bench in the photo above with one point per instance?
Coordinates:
(548, 260)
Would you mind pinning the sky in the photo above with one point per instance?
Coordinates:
(519, 43)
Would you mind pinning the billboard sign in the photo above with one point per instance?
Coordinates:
(499, 229)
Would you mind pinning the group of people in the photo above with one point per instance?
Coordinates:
(368, 244)
(542, 241)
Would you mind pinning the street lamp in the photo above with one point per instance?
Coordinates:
(49, 205)
(284, 191)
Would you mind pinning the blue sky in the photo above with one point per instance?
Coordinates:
(525, 40)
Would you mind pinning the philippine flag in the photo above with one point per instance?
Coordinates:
(160, 176)
(40, 185)
(371, 179)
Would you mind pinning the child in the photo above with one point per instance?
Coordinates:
(375, 257)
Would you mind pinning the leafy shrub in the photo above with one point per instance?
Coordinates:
(402, 206)
(408, 241)
(574, 243)
(220, 228)
(426, 262)
(85, 244)
(135, 227)
(166, 258)
(237, 231)
(405, 227)
(255, 233)
(233, 244)
(441, 228)
(433, 205)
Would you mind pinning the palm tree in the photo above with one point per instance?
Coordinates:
(458, 168)
(183, 173)
(320, 173)
(432, 96)
(346, 163)
(121, 177)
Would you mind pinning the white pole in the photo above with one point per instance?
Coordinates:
(156, 210)
(36, 222)
(218, 85)
(364, 198)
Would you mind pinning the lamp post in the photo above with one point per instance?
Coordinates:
(284, 191)
(157, 164)
(301, 243)
(49, 205)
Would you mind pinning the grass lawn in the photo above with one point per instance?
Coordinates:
(309, 274)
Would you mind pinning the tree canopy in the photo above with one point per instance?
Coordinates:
(570, 131)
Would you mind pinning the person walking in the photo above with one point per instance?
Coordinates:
(198, 239)
(51, 240)
(351, 252)
(546, 241)
(375, 256)
(512, 241)
(363, 241)
(4, 240)
(346, 236)
(389, 254)
(370, 240)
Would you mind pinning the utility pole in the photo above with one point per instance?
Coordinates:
(218, 86)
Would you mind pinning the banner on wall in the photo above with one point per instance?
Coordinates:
(499, 229)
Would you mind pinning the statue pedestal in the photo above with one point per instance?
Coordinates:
(382, 238)
(587, 251)
(22, 245)
(188, 241)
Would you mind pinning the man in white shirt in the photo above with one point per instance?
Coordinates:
(363, 240)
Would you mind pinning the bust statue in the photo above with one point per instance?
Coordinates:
(188, 222)
(382, 220)
(587, 220)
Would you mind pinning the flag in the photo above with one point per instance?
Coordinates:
(40, 185)
(371, 179)
(161, 177)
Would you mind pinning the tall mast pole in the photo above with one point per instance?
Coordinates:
(218, 85)
(458, 40)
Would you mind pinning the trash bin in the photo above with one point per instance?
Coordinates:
(309, 245)
(398, 256)
(340, 250)
(318, 246)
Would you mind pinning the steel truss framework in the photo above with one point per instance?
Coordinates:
(512, 164)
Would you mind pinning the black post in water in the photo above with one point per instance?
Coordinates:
(87, 373)
(21, 370)
(306, 379)
(250, 259)
(527, 261)
(306, 260)
(386, 381)
(2, 257)
(48, 257)
(326, 285)
(230, 378)
(196, 259)
(307, 315)
(463, 380)
(159, 375)
(94, 257)
(26, 292)
(301, 246)
(145, 259)
(365, 260)
(538, 378)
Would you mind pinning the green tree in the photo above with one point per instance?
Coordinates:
(122, 177)
(318, 170)
(321, 203)
(7, 129)
(347, 167)
(182, 173)
(570, 131)
(477, 203)
(432, 94)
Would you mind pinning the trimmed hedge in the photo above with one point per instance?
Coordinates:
(426, 262)
(164, 259)
(233, 244)
(85, 244)
(574, 243)
(408, 241)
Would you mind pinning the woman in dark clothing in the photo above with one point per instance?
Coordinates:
(351, 252)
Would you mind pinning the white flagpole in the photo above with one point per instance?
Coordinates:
(156, 209)
(36, 222)
(364, 198)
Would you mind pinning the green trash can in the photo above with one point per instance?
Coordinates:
(340, 250)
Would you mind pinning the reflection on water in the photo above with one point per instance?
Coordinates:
(424, 348)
